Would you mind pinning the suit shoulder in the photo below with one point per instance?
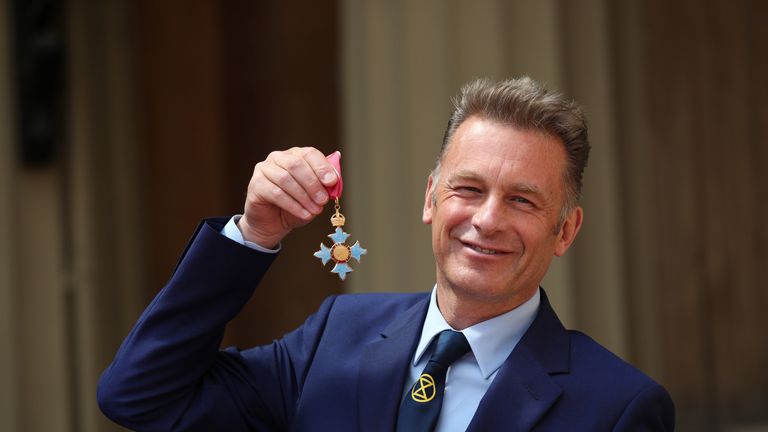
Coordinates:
(376, 303)
(639, 402)
(363, 308)
(360, 318)
(590, 358)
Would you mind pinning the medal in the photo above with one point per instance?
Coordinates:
(340, 253)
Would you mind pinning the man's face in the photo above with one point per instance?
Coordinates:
(494, 218)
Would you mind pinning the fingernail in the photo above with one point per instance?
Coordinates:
(320, 197)
(305, 214)
(327, 177)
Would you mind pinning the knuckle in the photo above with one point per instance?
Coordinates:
(313, 184)
(258, 175)
(292, 164)
(283, 177)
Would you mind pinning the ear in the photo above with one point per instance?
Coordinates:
(426, 215)
(568, 231)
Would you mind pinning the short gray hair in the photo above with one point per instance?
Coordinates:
(525, 104)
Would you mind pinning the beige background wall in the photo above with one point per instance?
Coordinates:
(169, 104)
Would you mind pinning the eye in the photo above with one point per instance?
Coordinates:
(467, 191)
(521, 200)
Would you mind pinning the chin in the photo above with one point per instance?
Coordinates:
(477, 286)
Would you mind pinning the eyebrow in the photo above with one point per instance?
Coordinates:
(463, 175)
(527, 188)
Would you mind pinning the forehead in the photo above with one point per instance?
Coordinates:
(491, 150)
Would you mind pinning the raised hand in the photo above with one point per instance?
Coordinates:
(287, 190)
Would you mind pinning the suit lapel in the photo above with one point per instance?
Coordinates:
(383, 369)
(523, 390)
(520, 394)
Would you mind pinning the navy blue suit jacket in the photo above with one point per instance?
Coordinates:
(345, 368)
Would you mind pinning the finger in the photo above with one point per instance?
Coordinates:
(294, 162)
(284, 180)
(323, 169)
(265, 190)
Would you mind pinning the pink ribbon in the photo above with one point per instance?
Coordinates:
(335, 159)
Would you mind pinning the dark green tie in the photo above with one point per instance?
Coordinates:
(421, 404)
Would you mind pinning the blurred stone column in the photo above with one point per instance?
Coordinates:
(103, 204)
(33, 363)
(8, 367)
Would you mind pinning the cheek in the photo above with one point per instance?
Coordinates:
(542, 242)
(528, 233)
(445, 225)
(455, 212)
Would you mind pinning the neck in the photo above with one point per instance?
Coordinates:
(461, 312)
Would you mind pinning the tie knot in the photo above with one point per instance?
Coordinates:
(449, 347)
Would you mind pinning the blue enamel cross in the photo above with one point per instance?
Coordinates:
(340, 253)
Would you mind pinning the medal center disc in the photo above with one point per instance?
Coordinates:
(340, 253)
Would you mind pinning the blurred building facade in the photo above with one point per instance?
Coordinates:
(165, 107)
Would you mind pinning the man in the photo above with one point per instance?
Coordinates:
(483, 352)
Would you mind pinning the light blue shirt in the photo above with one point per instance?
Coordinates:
(232, 232)
(470, 376)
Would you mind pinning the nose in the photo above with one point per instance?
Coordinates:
(489, 217)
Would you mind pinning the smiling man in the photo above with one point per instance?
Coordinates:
(495, 203)
(483, 351)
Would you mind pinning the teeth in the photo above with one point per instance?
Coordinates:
(485, 251)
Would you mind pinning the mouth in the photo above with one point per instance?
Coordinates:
(483, 249)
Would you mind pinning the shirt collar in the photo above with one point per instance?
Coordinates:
(491, 341)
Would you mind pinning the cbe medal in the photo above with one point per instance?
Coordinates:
(340, 253)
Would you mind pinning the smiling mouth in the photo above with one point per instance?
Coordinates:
(482, 250)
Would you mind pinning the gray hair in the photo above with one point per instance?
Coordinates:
(525, 104)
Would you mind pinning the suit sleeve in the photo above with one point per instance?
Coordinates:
(651, 410)
(169, 373)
